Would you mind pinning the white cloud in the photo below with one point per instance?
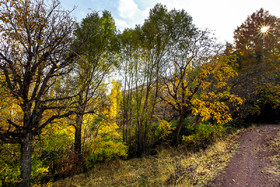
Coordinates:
(130, 14)
(121, 24)
(128, 9)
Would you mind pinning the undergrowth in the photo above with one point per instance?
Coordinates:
(170, 167)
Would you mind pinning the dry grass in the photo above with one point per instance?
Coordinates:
(275, 160)
(170, 167)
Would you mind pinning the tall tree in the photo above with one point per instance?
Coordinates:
(257, 46)
(129, 72)
(35, 46)
(143, 58)
(186, 46)
(94, 63)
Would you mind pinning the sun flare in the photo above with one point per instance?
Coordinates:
(264, 29)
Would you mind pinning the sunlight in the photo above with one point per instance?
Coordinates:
(264, 29)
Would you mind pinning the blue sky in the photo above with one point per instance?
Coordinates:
(221, 16)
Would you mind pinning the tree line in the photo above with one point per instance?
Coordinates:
(58, 116)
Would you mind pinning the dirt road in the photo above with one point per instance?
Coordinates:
(256, 162)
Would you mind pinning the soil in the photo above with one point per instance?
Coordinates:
(250, 165)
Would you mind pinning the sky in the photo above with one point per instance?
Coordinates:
(222, 17)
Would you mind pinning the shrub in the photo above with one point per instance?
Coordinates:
(104, 149)
(204, 134)
(162, 129)
(71, 164)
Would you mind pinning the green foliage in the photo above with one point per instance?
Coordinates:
(10, 166)
(57, 137)
(100, 43)
(104, 149)
(39, 170)
(204, 134)
(48, 152)
(102, 138)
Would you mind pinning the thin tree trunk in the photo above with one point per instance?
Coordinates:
(78, 133)
(26, 153)
(139, 139)
(78, 126)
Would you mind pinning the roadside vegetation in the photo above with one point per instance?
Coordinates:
(169, 167)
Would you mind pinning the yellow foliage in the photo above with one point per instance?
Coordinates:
(114, 100)
(104, 142)
(205, 90)
(165, 128)
(9, 109)
(210, 104)
(49, 184)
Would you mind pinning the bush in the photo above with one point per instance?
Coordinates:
(104, 149)
(161, 129)
(204, 134)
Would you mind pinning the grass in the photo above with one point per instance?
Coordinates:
(170, 167)
(275, 159)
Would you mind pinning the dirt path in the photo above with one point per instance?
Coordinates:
(253, 159)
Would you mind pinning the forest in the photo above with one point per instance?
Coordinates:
(77, 94)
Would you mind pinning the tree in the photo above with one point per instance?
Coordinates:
(94, 63)
(186, 46)
(34, 52)
(255, 45)
(215, 102)
(258, 54)
(196, 81)
(129, 53)
(143, 53)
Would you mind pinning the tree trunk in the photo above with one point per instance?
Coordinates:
(178, 130)
(26, 153)
(78, 134)
(79, 123)
(139, 150)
